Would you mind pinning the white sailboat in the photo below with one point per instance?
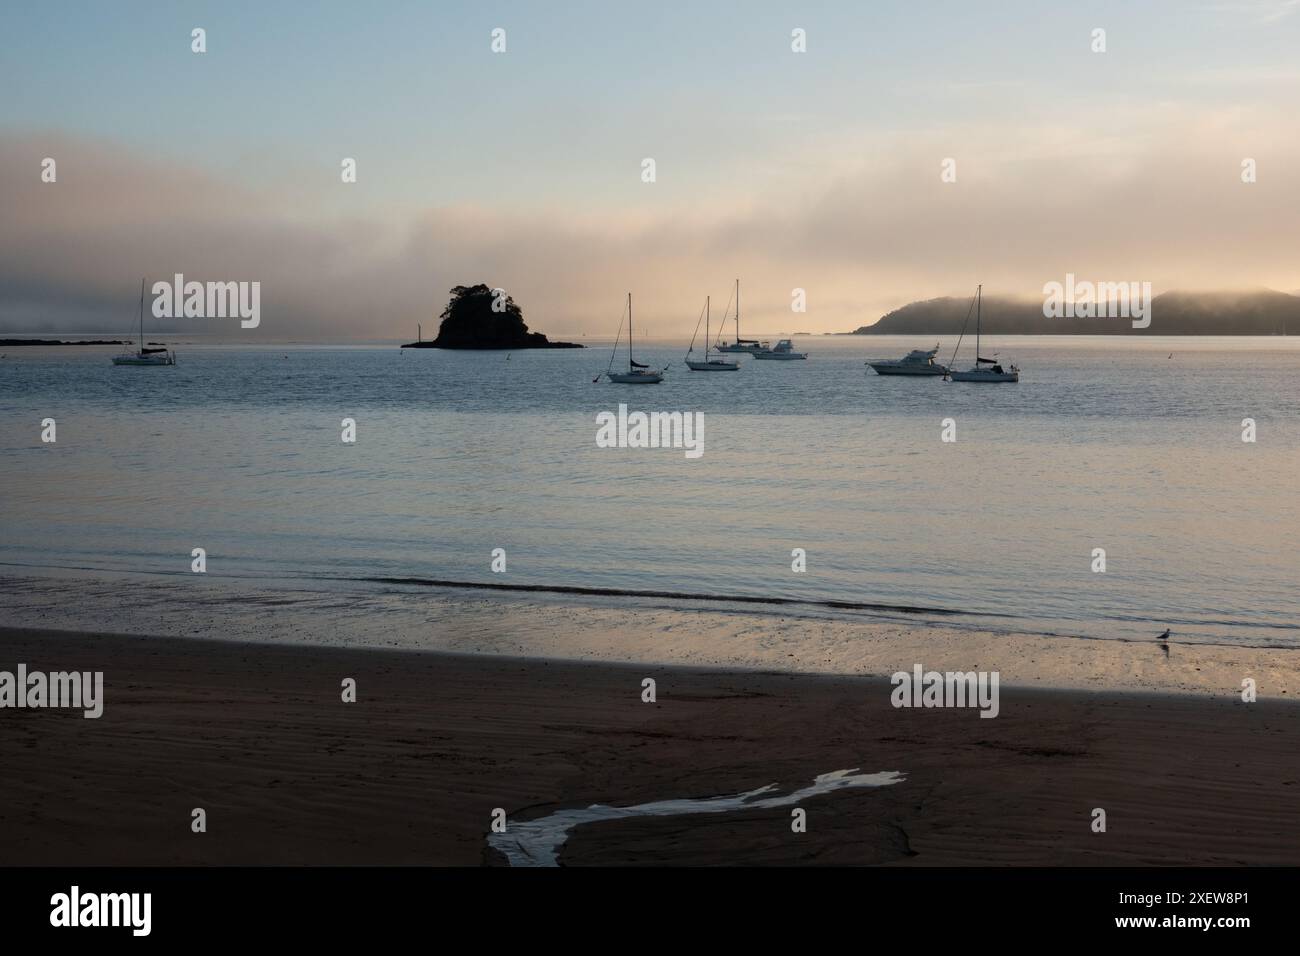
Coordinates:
(708, 365)
(995, 373)
(637, 373)
(748, 346)
(143, 355)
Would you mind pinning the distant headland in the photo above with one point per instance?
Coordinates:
(8, 342)
(477, 317)
(1258, 312)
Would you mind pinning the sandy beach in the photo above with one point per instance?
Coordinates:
(410, 773)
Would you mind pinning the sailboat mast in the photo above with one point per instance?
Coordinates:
(706, 328)
(737, 312)
(629, 333)
(142, 281)
(979, 294)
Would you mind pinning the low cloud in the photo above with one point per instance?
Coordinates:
(862, 223)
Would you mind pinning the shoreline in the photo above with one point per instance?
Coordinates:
(410, 773)
(647, 631)
(716, 670)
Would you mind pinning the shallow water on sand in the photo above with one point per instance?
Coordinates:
(1104, 444)
(538, 842)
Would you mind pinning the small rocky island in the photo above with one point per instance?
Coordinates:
(477, 317)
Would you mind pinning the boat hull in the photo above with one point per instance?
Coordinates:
(780, 356)
(989, 378)
(884, 368)
(714, 366)
(143, 360)
(631, 378)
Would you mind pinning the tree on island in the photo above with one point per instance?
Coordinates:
(477, 317)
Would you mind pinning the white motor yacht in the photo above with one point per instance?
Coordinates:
(915, 362)
(783, 351)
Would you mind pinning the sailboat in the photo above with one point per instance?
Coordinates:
(708, 365)
(143, 355)
(995, 373)
(749, 346)
(637, 373)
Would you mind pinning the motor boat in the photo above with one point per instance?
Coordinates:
(782, 351)
(915, 362)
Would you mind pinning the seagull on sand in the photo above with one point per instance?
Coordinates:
(1164, 642)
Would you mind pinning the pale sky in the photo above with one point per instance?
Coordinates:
(522, 169)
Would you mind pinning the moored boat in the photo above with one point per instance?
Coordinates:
(708, 365)
(783, 351)
(746, 346)
(637, 373)
(995, 373)
(916, 362)
(143, 355)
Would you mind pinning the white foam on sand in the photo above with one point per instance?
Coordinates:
(538, 842)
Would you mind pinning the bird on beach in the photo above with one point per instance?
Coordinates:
(1164, 641)
(1165, 635)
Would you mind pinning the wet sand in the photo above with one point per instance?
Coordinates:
(409, 774)
(631, 630)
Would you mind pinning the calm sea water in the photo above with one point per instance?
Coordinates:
(1105, 443)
